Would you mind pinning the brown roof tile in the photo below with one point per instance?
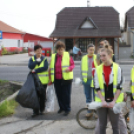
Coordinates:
(9, 29)
(69, 19)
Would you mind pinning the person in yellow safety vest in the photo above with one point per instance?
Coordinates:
(39, 64)
(61, 69)
(132, 86)
(87, 62)
(108, 84)
(122, 122)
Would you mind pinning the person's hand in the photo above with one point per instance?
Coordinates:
(38, 60)
(104, 104)
(132, 103)
(111, 104)
(67, 70)
(33, 71)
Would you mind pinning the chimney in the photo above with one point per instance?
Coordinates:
(88, 3)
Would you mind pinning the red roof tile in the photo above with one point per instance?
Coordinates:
(9, 29)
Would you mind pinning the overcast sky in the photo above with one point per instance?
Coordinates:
(38, 16)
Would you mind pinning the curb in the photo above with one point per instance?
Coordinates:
(13, 95)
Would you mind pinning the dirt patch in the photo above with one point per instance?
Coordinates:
(7, 89)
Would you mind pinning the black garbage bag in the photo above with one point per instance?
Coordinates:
(38, 85)
(27, 96)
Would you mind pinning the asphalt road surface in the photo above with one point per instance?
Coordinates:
(19, 73)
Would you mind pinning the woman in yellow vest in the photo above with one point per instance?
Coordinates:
(122, 123)
(61, 69)
(108, 84)
(38, 64)
(87, 62)
(132, 86)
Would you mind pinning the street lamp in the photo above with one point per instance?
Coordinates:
(129, 30)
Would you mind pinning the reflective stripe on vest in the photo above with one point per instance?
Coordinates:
(101, 83)
(84, 66)
(132, 80)
(65, 64)
(44, 78)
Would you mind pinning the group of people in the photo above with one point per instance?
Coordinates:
(101, 78)
(60, 73)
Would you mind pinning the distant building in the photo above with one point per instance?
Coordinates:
(129, 28)
(84, 25)
(14, 39)
(44, 41)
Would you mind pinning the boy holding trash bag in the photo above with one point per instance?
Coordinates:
(39, 65)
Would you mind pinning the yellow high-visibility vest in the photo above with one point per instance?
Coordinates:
(99, 70)
(65, 63)
(84, 67)
(43, 76)
(132, 80)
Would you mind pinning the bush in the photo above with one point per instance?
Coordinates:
(24, 50)
(4, 51)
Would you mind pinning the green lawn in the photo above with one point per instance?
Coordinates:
(8, 108)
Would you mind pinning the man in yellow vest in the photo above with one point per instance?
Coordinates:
(38, 64)
(88, 61)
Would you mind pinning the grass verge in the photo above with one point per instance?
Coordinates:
(3, 82)
(8, 108)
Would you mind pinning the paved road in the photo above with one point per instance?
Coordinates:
(19, 73)
(50, 123)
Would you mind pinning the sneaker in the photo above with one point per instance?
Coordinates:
(60, 111)
(66, 113)
(89, 115)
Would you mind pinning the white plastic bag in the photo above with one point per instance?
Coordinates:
(78, 81)
(118, 107)
(131, 117)
(50, 98)
(94, 105)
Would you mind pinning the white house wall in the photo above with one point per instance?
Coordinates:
(11, 43)
(46, 44)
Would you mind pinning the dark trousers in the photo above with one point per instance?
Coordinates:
(63, 93)
(42, 100)
(75, 56)
(114, 119)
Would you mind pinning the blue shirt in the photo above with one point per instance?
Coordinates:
(75, 50)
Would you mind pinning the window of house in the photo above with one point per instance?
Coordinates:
(18, 43)
(83, 43)
(87, 24)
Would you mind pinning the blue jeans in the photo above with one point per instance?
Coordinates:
(88, 90)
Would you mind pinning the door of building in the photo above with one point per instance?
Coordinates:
(84, 42)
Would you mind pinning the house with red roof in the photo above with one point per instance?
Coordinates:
(13, 39)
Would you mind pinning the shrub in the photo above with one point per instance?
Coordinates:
(8, 108)
(4, 51)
